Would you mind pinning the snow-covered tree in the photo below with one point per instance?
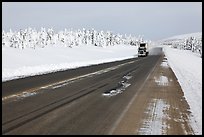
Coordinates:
(31, 38)
(191, 43)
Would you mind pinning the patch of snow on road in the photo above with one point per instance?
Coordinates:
(122, 85)
(164, 63)
(116, 91)
(127, 77)
(155, 123)
(162, 80)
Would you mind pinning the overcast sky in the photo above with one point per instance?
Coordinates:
(153, 20)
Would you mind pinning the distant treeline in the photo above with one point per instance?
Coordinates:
(193, 44)
(31, 38)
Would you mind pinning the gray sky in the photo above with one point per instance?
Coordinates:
(154, 20)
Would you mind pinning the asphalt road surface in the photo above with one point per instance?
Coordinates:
(87, 100)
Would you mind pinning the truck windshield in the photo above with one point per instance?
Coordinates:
(142, 45)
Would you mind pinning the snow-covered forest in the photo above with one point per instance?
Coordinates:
(31, 52)
(192, 42)
(31, 38)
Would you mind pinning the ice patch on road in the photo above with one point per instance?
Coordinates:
(155, 123)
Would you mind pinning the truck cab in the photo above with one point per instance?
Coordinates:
(143, 50)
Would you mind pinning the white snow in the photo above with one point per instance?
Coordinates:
(155, 123)
(127, 77)
(187, 67)
(18, 63)
(162, 80)
(117, 91)
(164, 63)
(122, 85)
(191, 41)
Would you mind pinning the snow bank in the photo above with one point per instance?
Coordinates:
(17, 63)
(187, 67)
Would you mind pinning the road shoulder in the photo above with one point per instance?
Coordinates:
(159, 107)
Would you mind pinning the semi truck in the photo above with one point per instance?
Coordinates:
(143, 50)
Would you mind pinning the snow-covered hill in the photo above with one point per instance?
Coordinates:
(197, 35)
(191, 41)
